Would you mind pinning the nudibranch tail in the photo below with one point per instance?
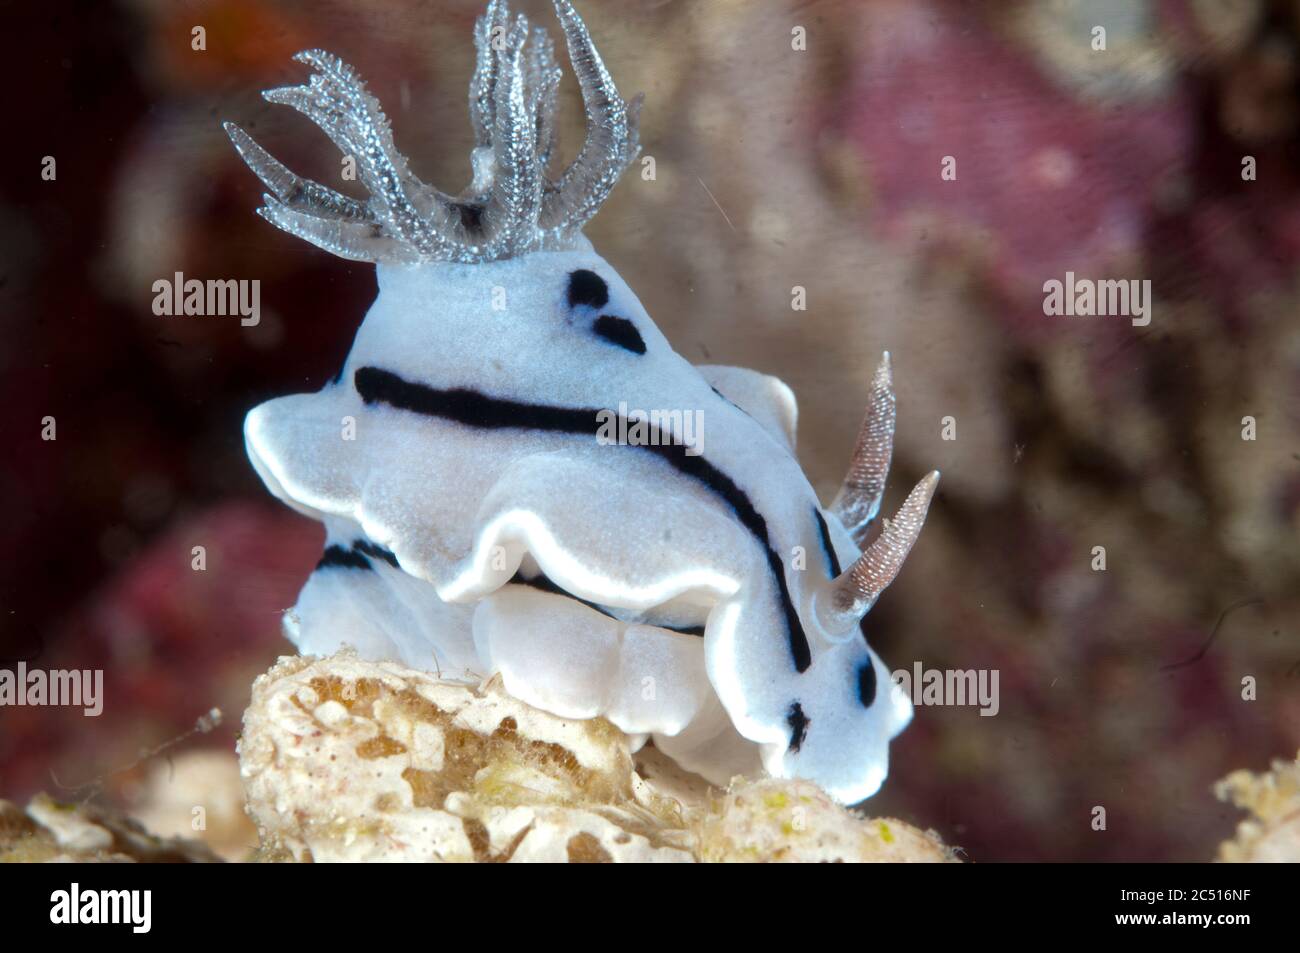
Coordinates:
(510, 208)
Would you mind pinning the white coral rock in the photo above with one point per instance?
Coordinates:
(1272, 833)
(345, 759)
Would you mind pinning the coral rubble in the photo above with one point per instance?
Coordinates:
(49, 831)
(346, 759)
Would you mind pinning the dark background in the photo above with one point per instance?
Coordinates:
(774, 168)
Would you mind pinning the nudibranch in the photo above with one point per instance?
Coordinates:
(480, 519)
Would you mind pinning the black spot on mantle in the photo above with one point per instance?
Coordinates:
(867, 683)
(619, 331)
(587, 287)
(798, 723)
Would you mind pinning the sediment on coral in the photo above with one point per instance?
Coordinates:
(347, 759)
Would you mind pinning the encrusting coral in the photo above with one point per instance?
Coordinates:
(1272, 835)
(348, 759)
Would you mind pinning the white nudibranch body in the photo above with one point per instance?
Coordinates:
(687, 586)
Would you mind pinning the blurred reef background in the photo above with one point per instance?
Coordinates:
(774, 168)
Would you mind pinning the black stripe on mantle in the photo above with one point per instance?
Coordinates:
(473, 409)
(343, 557)
(546, 584)
(866, 671)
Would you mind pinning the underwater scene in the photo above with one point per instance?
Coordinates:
(650, 431)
